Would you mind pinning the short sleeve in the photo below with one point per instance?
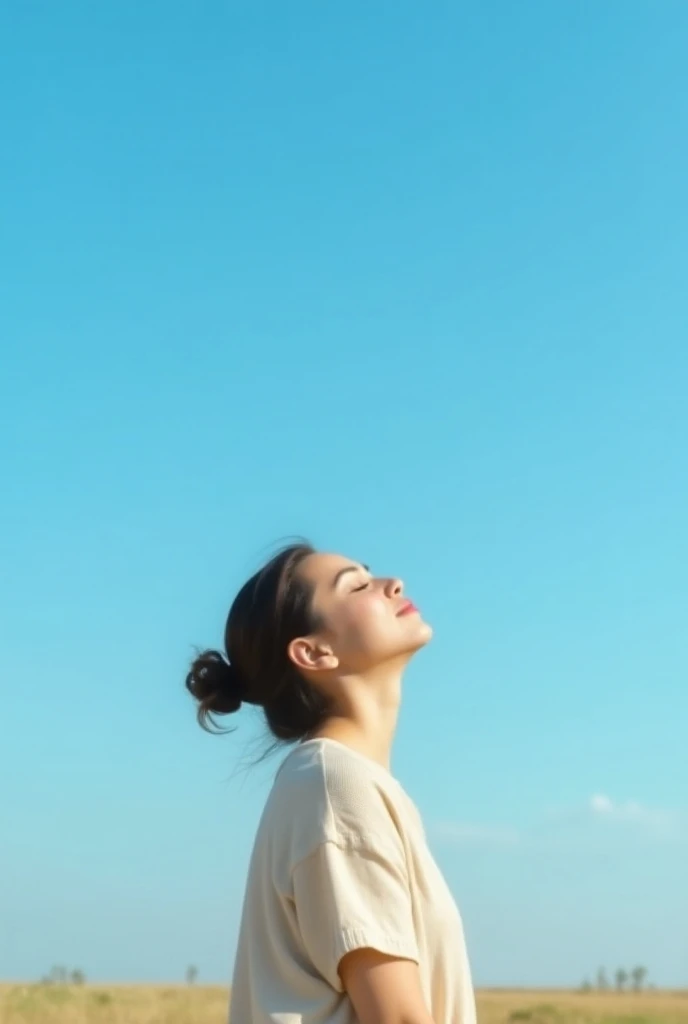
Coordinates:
(354, 896)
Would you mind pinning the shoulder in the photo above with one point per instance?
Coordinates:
(326, 793)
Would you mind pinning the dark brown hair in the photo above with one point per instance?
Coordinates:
(270, 610)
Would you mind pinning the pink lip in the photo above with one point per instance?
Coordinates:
(407, 609)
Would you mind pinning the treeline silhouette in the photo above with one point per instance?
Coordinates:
(634, 980)
(63, 976)
(59, 975)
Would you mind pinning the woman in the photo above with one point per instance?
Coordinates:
(346, 919)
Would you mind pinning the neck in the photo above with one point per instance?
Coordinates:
(366, 715)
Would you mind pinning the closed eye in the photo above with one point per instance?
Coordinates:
(363, 586)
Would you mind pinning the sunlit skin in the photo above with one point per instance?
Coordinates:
(369, 630)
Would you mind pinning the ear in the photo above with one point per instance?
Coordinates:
(310, 656)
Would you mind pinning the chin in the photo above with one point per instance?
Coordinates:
(421, 636)
(426, 632)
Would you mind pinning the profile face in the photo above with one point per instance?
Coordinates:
(366, 620)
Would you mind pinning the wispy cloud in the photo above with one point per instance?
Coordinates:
(656, 819)
(581, 827)
(464, 834)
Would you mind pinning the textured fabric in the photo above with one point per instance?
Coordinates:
(341, 863)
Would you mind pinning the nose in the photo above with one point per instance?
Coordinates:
(394, 587)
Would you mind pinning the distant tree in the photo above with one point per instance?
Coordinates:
(58, 975)
(77, 977)
(620, 979)
(191, 975)
(638, 976)
(602, 981)
(586, 986)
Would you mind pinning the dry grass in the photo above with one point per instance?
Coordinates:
(553, 1007)
(112, 1004)
(148, 1004)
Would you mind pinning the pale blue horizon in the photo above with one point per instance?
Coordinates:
(409, 281)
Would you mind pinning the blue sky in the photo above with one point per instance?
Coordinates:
(410, 280)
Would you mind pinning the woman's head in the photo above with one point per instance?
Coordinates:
(296, 631)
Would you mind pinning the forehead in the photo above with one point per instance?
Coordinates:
(321, 568)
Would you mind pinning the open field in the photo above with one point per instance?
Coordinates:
(167, 1004)
(551, 1007)
(177, 1005)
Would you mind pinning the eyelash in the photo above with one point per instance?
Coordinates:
(363, 586)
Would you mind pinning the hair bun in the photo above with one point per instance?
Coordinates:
(215, 684)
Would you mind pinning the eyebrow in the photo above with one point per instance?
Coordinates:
(345, 570)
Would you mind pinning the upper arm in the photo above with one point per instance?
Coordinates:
(353, 902)
(352, 899)
(383, 989)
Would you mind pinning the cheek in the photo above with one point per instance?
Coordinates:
(368, 618)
